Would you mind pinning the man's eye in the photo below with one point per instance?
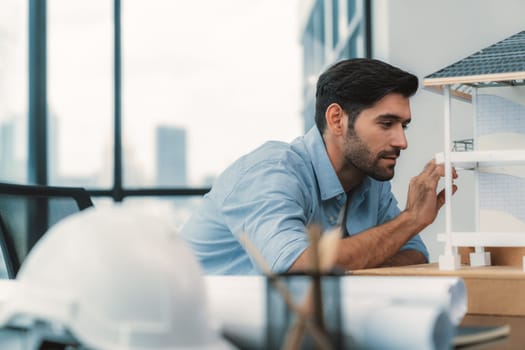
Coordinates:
(405, 126)
(386, 124)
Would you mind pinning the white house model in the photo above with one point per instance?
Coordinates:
(495, 80)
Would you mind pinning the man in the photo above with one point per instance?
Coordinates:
(342, 164)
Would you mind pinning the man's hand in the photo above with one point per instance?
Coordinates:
(423, 203)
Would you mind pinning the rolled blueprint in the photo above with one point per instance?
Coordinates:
(385, 325)
(449, 292)
(395, 312)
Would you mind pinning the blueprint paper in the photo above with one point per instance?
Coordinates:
(448, 292)
(370, 319)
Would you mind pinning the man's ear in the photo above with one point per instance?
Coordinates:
(335, 119)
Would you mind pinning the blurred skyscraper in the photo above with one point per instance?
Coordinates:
(12, 166)
(53, 133)
(7, 150)
(171, 156)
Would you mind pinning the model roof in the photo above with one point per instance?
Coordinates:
(502, 63)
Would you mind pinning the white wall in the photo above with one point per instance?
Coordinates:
(423, 37)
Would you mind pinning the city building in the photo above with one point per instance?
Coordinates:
(171, 157)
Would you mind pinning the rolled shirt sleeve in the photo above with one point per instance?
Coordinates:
(269, 204)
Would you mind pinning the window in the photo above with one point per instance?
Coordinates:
(202, 82)
(348, 37)
(13, 96)
(80, 93)
(13, 90)
(335, 22)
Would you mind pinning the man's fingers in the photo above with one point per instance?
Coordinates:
(454, 173)
(429, 167)
(438, 170)
(441, 196)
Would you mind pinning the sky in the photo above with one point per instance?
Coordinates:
(229, 72)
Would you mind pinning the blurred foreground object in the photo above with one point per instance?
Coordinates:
(110, 278)
(376, 312)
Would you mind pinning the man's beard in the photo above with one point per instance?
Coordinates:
(359, 155)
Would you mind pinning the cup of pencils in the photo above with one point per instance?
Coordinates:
(303, 310)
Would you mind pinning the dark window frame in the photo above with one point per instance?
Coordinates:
(38, 162)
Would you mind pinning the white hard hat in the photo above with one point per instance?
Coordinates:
(116, 279)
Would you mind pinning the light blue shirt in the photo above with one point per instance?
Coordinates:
(272, 195)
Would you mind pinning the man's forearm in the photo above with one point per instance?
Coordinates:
(375, 246)
(405, 257)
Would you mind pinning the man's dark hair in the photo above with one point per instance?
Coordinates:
(358, 83)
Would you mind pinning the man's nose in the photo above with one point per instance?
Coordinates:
(399, 138)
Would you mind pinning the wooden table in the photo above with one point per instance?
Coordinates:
(516, 339)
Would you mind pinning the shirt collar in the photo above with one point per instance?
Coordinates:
(329, 185)
(360, 192)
